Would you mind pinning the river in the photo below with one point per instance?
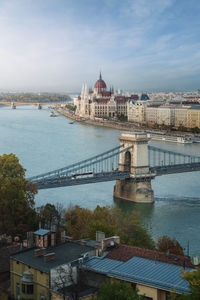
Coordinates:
(43, 144)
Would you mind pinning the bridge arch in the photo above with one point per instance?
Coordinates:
(127, 161)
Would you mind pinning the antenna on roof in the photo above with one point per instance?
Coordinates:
(188, 248)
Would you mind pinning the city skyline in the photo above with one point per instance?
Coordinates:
(141, 45)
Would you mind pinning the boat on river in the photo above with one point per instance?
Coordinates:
(52, 114)
(13, 106)
(185, 139)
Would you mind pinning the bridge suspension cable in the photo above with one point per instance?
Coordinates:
(104, 162)
(160, 157)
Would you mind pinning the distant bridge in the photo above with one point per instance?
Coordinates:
(41, 103)
(132, 161)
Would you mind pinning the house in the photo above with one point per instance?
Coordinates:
(5, 252)
(154, 274)
(35, 271)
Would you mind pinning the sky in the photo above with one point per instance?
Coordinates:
(138, 45)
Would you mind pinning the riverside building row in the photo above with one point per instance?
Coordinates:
(170, 115)
(103, 103)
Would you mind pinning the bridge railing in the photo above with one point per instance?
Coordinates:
(160, 157)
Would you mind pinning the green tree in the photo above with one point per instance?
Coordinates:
(193, 278)
(48, 214)
(16, 197)
(118, 290)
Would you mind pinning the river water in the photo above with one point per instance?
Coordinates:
(43, 144)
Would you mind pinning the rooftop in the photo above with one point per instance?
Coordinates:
(64, 253)
(42, 231)
(125, 252)
(140, 266)
(195, 107)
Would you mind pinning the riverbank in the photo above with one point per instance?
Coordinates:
(103, 122)
(154, 134)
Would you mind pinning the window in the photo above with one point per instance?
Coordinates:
(42, 297)
(27, 289)
(18, 291)
(30, 289)
(168, 296)
(133, 286)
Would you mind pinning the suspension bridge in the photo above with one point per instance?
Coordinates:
(132, 164)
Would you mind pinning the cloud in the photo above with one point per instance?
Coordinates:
(148, 8)
(58, 44)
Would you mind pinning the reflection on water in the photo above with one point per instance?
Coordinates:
(144, 211)
(43, 144)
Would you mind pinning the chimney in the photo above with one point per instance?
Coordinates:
(110, 242)
(39, 252)
(49, 256)
(63, 236)
(100, 236)
(83, 243)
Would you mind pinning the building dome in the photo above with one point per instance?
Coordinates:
(100, 84)
(144, 97)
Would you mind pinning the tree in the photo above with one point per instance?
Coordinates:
(48, 214)
(69, 281)
(118, 290)
(193, 279)
(166, 244)
(82, 223)
(16, 198)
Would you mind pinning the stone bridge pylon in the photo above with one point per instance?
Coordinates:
(137, 188)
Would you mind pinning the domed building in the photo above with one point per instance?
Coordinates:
(100, 103)
(100, 85)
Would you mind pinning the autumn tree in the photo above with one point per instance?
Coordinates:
(82, 222)
(16, 198)
(172, 246)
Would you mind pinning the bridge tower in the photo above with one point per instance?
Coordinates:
(137, 188)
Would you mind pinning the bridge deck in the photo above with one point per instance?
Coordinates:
(82, 179)
(172, 169)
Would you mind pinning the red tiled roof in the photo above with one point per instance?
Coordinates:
(102, 100)
(119, 97)
(121, 100)
(106, 93)
(125, 252)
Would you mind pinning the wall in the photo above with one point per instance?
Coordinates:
(41, 280)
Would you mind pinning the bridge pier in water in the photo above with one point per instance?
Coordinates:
(137, 188)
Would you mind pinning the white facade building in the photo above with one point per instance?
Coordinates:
(100, 102)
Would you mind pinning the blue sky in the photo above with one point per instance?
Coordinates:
(139, 45)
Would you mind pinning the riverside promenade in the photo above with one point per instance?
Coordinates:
(120, 125)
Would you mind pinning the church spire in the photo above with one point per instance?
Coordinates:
(100, 78)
